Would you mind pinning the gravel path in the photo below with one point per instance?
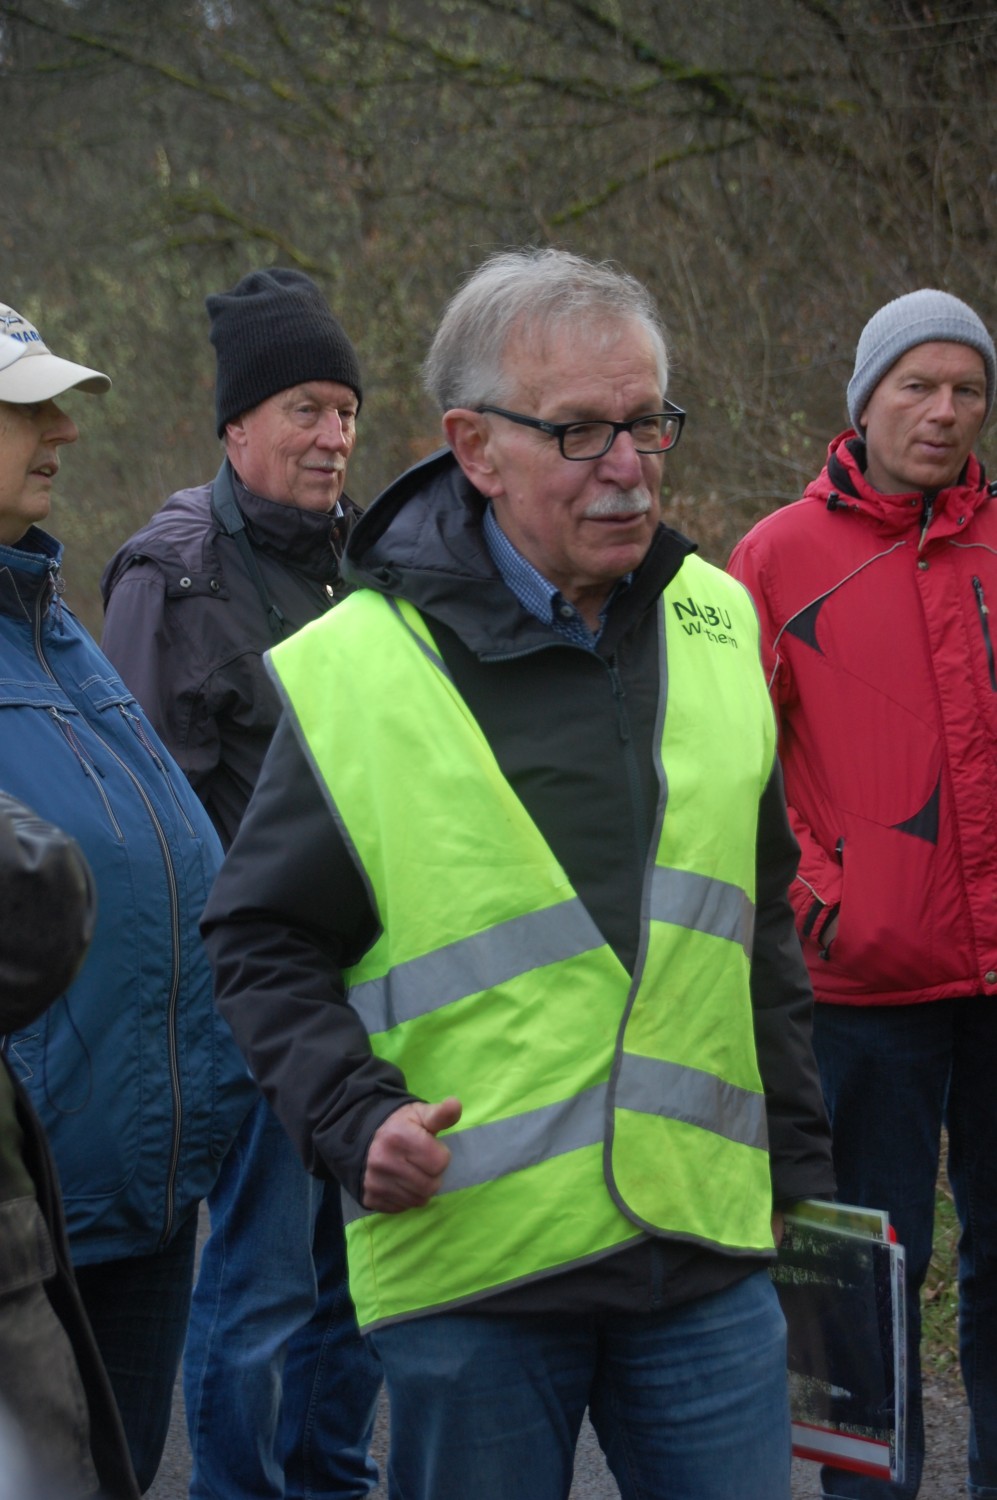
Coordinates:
(946, 1426)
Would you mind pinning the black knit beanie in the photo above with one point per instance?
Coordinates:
(274, 330)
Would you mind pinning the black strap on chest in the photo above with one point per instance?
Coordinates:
(228, 516)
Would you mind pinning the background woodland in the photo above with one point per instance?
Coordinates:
(773, 169)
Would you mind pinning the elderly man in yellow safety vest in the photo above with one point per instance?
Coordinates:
(505, 938)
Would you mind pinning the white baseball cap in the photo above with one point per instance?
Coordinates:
(29, 372)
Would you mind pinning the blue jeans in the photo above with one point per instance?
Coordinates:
(280, 1388)
(892, 1075)
(138, 1309)
(688, 1405)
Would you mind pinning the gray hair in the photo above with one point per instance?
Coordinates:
(534, 290)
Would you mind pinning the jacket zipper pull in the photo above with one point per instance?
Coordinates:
(620, 696)
(988, 644)
(140, 734)
(929, 512)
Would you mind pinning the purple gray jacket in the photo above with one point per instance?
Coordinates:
(186, 628)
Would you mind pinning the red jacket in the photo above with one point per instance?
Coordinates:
(881, 653)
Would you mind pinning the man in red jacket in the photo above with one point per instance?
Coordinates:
(874, 592)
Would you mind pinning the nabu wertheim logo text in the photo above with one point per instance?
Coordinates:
(708, 620)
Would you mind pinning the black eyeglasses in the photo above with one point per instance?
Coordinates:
(655, 432)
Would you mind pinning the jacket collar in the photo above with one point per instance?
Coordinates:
(422, 540)
(842, 485)
(309, 540)
(29, 571)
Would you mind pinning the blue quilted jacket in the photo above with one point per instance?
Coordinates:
(134, 1074)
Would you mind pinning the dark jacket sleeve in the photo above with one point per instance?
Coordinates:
(49, 905)
(288, 912)
(799, 1137)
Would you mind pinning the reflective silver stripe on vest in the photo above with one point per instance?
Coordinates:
(676, 1093)
(704, 905)
(475, 963)
(485, 1153)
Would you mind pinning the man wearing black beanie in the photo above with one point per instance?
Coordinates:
(273, 331)
(280, 1389)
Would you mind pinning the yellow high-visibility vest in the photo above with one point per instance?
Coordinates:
(596, 1104)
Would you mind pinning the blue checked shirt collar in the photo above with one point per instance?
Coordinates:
(538, 597)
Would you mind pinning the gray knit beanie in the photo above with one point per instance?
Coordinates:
(923, 317)
(272, 331)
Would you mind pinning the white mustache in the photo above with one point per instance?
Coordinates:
(636, 502)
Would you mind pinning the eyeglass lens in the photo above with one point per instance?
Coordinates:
(651, 434)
